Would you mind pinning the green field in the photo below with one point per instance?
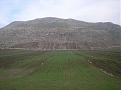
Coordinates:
(60, 70)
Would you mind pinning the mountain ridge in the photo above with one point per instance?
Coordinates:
(55, 33)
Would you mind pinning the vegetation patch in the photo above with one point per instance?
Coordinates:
(109, 61)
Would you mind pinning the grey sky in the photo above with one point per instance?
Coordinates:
(85, 10)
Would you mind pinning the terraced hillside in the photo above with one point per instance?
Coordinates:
(60, 70)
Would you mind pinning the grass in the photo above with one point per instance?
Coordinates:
(57, 70)
(107, 60)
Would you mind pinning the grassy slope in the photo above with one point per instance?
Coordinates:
(107, 60)
(57, 70)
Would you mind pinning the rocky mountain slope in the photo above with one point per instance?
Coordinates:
(54, 33)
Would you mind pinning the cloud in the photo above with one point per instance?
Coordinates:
(86, 10)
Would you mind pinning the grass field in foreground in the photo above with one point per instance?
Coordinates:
(59, 70)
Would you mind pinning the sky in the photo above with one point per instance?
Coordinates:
(84, 10)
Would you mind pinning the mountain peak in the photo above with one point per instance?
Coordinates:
(48, 18)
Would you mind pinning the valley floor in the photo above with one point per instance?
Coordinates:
(60, 70)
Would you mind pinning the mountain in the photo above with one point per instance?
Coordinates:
(54, 33)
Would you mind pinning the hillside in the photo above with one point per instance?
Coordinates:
(54, 33)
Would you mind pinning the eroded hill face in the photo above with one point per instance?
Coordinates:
(54, 33)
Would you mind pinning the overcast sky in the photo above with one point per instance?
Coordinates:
(85, 10)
